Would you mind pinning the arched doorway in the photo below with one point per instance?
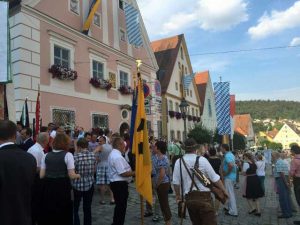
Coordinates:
(124, 128)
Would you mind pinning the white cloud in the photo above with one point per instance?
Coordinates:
(276, 22)
(214, 65)
(295, 41)
(221, 15)
(173, 17)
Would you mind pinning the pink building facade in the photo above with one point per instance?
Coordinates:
(48, 32)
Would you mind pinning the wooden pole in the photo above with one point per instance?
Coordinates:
(142, 210)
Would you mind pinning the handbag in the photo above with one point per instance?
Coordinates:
(181, 204)
(218, 193)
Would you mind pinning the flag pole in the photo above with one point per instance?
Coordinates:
(138, 65)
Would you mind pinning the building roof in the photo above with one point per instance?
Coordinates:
(166, 51)
(242, 123)
(201, 80)
(272, 133)
(293, 127)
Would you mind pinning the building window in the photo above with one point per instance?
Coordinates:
(178, 135)
(193, 112)
(209, 108)
(186, 72)
(74, 6)
(170, 105)
(172, 134)
(181, 52)
(100, 121)
(124, 114)
(123, 78)
(61, 56)
(159, 129)
(179, 65)
(63, 116)
(112, 79)
(177, 107)
(196, 112)
(176, 86)
(121, 4)
(98, 70)
(191, 93)
(97, 19)
(187, 92)
(122, 35)
(149, 127)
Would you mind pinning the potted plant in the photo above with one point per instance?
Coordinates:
(178, 115)
(125, 90)
(101, 83)
(172, 114)
(62, 72)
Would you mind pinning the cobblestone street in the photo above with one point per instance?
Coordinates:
(102, 214)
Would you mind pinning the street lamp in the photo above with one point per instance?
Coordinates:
(183, 108)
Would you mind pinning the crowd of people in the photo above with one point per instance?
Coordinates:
(40, 174)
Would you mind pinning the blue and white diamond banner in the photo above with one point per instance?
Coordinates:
(222, 97)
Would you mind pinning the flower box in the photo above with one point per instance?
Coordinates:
(178, 115)
(62, 73)
(101, 83)
(198, 119)
(194, 118)
(125, 90)
(172, 114)
(190, 118)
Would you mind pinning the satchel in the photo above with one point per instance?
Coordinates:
(181, 204)
(219, 193)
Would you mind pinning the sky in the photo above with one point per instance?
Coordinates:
(212, 26)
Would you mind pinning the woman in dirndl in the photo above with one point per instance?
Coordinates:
(252, 187)
(102, 178)
(57, 168)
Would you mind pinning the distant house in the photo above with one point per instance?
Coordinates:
(287, 135)
(207, 99)
(243, 125)
(174, 65)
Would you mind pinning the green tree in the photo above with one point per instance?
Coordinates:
(217, 138)
(200, 134)
(239, 141)
(275, 146)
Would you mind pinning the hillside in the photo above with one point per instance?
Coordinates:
(260, 109)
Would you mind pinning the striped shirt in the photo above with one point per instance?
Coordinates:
(281, 167)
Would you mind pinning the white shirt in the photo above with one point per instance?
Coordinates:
(116, 166)
(69, 160)
(204, 166)
(6, 143)
(245, 167)
(261, 165)
(53, 134)
(37, 151)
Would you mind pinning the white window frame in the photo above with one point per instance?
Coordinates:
(123, 72)
(69, 6)
(61, 43)
(98, 113)
(100, 24)
(126, 70)
(120, 34)
(99, 59)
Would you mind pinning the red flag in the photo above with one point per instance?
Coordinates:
(37, 115)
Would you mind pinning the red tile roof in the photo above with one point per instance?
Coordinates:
(242, 123)
(272, 133)
(166, 51)
(201, 80)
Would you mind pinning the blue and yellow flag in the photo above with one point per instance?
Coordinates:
(93, 8)
(141, 149)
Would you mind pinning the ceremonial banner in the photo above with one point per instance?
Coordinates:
(187, 80)
(132, 18)
(4, 44)
(25, 115)
(223, 107)
(37, 114)
(93, 8)
(141, 149)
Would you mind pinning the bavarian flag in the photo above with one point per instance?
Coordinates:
(140, 148)
(93, 8)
